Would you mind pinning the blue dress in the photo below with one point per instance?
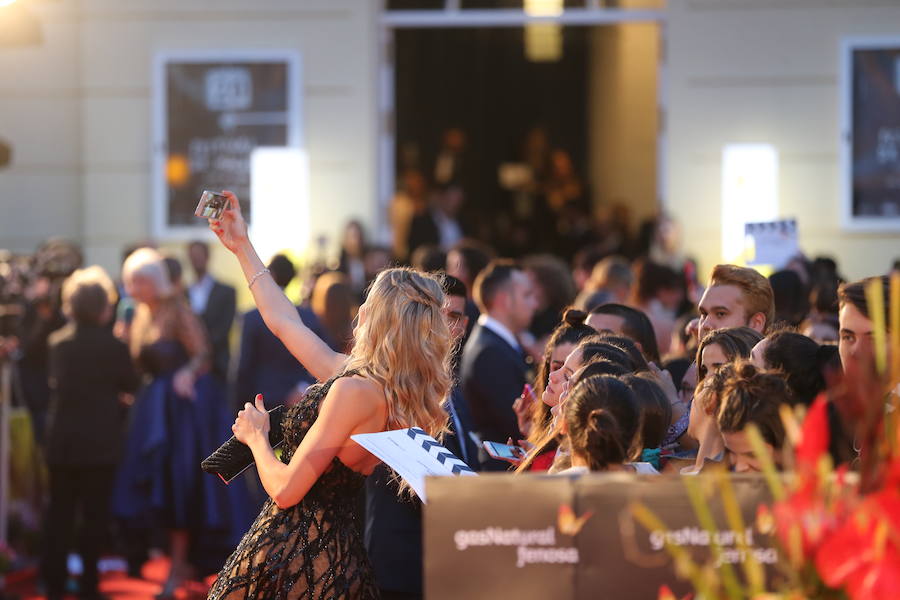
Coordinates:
(159, 482)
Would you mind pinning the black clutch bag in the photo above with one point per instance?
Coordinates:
(233, 457)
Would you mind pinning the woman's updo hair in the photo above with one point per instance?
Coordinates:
(602, 420)
(712, 387)
(802, 361)
(630, 348)
(574, 318)
(597, 367)
(596, 347)
(754, 396)
(571, 331)
(653, 406)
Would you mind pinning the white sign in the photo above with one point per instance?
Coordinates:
(414, 455)
(774, 242)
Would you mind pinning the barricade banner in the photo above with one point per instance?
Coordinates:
(533, 536)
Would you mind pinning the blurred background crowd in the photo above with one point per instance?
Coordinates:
(618, 301)
(580, 171)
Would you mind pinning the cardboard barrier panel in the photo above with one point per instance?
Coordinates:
(523, 537)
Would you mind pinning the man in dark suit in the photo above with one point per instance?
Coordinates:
(265, 366)
(88, 369)
(394, 523)
(215, 304)
(494, 364)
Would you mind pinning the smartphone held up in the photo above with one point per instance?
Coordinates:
(212, 205)
(504, 451)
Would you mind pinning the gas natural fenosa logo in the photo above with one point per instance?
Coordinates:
(567, 523)
(533, 546)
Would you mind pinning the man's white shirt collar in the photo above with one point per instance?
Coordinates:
(500, 329)
(199, 293)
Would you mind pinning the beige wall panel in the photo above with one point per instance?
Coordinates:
(116, 206)
(336, 41)
(40, 190)
(622, 117)
(763, 71)
(795, 119)
(143, 7)
(49, 67)
(43, 132)
(37, 206)
(116, 133)
(342, 62)
(77, 109)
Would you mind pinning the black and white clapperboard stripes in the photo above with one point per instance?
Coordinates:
(414, 455)
(433, 447)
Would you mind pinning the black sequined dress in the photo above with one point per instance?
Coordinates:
(312, 550)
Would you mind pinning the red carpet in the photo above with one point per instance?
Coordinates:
(118, 586)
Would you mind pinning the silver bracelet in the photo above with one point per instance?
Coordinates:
(255, 277)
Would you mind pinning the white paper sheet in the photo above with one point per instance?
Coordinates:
(775, 242)
(414, 455)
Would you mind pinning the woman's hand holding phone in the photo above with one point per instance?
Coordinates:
(231, 229)
(508, 452)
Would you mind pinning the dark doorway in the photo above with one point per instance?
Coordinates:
(481, 82)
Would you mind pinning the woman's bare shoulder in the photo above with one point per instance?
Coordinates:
(357, 393)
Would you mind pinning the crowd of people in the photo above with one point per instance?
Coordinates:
(602, 362)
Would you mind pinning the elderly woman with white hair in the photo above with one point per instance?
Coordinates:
(179, 417)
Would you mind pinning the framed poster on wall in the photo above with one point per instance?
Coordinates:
(870, 145)
(211, 110)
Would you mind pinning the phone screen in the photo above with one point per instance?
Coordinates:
(502, 450)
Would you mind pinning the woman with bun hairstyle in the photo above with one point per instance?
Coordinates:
(806, 366)
(597, 348)
(630, 347)
(561, 343)
(655, 414)
(802, 361)
(601, 421)
(589, 349)
(752, 396)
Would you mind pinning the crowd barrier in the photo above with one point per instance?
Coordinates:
(538, 537)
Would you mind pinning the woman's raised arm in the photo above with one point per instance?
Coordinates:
(276, 309)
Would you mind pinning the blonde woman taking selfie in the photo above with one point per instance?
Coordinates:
(305, 543)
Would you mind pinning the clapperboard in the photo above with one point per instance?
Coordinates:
(774, 243)
(413, 455)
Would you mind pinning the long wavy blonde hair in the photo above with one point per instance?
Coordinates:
(404, 345)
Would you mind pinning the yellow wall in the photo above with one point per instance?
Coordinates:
(77, 109)
(767, 71)
(622, 116)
